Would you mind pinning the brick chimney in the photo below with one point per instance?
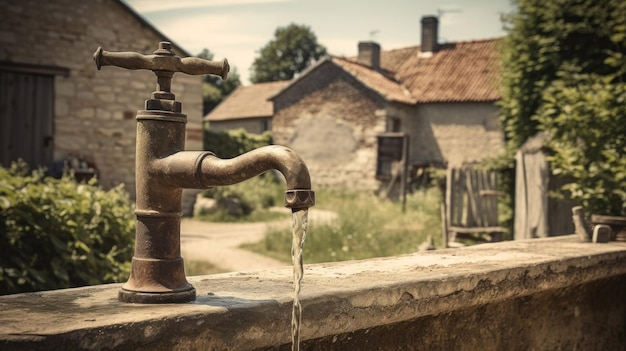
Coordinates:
(369, 54)
(430, 31)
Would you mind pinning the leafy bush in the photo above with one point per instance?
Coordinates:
(252, 196)
(57, 233)
(234, 142)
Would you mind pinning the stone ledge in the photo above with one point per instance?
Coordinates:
(252, 310)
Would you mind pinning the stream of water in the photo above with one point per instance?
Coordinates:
(300, 219)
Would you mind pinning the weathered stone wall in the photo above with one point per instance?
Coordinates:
(332, 122)
(94, 110)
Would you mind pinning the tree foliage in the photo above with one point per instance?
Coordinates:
(545, 37)
(293, 49)
(214, 88)
(564, 65)
(585, 115)
(57, 233)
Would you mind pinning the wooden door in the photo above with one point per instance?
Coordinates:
(26, 118)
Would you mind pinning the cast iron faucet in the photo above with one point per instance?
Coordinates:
(163, 169)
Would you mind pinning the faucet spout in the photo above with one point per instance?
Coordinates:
(230, 171)
(202, 170)
(217, 172)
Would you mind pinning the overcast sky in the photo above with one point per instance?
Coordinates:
(238, 29)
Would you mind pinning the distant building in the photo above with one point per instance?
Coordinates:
(442, 96)
(56, 105)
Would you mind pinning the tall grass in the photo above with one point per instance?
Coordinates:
(366, 226)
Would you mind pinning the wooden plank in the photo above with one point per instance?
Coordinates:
(484, 204)
(448, 197)
(6, 92)
(444, 224)
(477, 229)
(493, 187)
(520, 227)
(459, 194)
(480, 205)
(472, 208)
(22, 146)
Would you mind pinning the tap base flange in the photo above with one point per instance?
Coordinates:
(155, 298)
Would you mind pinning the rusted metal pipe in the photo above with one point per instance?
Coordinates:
(163, 170)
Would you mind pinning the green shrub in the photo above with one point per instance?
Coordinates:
(57, 233)
(234, 142)
(253, 196)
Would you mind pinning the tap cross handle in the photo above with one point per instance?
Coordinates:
(162, 60)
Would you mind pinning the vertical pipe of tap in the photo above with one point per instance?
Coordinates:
(157, 271)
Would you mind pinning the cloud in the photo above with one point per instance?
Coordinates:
(151, 6)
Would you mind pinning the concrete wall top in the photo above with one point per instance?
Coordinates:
(252, 310)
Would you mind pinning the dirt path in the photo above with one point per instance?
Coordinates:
(218, 243)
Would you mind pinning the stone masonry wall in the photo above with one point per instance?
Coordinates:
(94, 110)
(332, 122)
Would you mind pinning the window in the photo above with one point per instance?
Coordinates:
(391, 148)
(394, 125)
(265, 125)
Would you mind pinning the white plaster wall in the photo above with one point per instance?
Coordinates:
(464, 132)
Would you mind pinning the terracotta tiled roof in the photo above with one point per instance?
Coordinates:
(462, 71)
(247, 102)
(381, 83)
(457, 72)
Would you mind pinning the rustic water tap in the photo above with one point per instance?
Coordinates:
(162, 170)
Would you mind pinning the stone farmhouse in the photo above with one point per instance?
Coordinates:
(55, 104)
(335, 114)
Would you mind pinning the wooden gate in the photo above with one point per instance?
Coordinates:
(470, 209)
(26, 118)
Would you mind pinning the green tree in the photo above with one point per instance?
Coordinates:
(214, 88)
(585, 115)
(543, 38)
(564, 65)
(293, 49)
